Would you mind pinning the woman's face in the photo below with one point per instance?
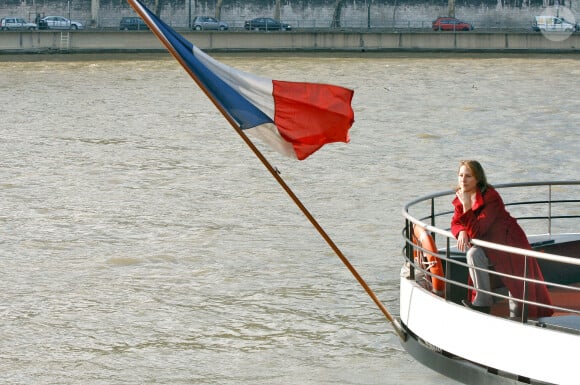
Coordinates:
(466, 180)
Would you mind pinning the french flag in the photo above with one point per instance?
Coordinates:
(294, 118)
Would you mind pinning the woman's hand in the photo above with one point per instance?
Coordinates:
(463, 241)
(466, 199)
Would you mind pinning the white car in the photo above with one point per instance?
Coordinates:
(59, 22)
(13, 23)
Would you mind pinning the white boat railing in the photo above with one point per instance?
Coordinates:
(540, 207)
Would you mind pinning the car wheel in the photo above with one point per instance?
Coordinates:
(222, 28)
(74, 27)
(198, 28)
(256, 29)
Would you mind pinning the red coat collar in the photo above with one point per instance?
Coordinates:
(478, 200)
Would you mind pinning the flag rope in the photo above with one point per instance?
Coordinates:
(155, 29)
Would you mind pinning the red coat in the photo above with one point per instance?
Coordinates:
(489, 221)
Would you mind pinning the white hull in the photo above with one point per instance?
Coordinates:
(505, 349)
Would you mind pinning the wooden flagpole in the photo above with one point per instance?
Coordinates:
(271, 169)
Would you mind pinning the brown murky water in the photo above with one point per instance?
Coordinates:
(142, 243)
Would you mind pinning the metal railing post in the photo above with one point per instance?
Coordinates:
(550, 209)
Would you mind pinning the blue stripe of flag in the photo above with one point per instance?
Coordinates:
(244, 112)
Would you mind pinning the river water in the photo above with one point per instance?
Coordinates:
(141, 242)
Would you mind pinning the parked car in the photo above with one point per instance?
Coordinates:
(59, 22)
(133, 24)
(15, 23)
(201, 23)
(450, 24)
(553, 24)
(266, 24)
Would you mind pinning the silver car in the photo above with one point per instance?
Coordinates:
(59, 22)
(202, 23)
(14, 23)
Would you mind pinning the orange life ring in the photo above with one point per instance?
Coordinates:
(427, 259)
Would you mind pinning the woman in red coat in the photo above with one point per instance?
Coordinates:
(480, 213)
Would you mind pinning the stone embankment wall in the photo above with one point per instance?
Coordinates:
(94, 41)
(399, 14)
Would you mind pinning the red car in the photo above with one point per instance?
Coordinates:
(450, 24)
